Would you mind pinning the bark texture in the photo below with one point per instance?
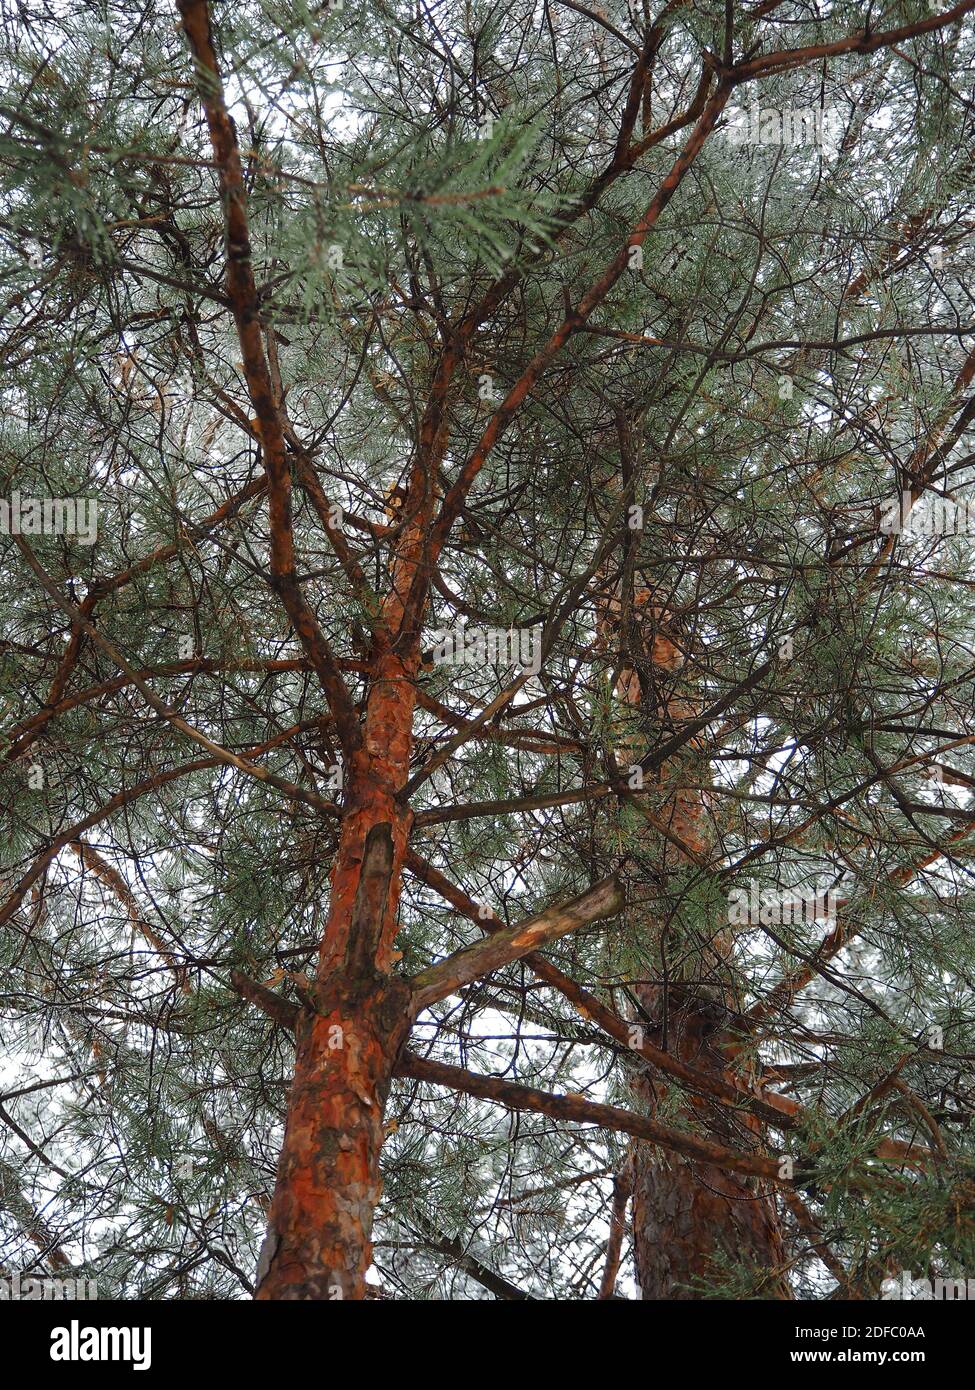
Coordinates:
(318, 1243)
(687, 1218)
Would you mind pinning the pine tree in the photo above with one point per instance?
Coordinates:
(486, 673)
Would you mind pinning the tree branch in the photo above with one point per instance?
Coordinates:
(242, 292)
(588, 1112)
(605, 899)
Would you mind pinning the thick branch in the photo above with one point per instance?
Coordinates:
(587, 1112)
(605, 899)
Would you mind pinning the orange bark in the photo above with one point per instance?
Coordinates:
(357, 1014)
(318, 1242)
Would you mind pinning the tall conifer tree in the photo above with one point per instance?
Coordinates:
(486, 666)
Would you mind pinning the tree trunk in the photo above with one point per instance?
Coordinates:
(358, 1013)
(688, 1218)
(355, 1019)
(318, 1242)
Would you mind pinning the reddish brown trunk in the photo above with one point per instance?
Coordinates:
(377, 772)
(318, 1243)
(355, 1021)
(689, 1219)
(349, 1034)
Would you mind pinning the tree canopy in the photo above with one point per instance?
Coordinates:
(355, 328)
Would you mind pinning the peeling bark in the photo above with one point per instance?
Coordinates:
(318, 1243)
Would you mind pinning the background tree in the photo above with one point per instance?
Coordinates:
(361, 325)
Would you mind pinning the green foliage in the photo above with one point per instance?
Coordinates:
(382, 208)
